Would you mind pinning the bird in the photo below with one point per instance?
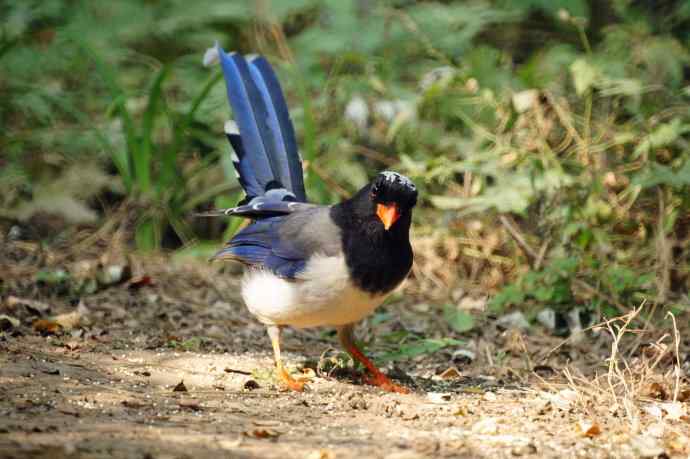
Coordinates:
(307, 265)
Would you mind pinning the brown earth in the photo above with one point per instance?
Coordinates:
(169, 364)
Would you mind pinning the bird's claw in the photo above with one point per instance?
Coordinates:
(293, 384)
(382, 381)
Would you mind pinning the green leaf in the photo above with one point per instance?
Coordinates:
(461, 321)
(509, 295)
(143, 159)
(419, 347)
(147, 234)
(656, 174)
(52, 277)
(664, 135)
(584, 74)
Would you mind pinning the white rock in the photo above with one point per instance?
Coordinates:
(656, 429)
(357, 112)
(646, 446)
(654, 410)
(513, 320)
(472, 304)
(547, 317)
(439, 397)
(524, 100)
(487, 426)
(563, 399)
(575, 324)
(674, 410)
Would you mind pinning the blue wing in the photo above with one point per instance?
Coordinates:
(284, 244)
(262, 245)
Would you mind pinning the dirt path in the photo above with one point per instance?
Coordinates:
(58, 402)
(177, 368)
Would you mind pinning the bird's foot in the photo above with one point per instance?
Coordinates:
(382, 381)
(293, 384)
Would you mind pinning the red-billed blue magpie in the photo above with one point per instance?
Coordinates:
(308, 265)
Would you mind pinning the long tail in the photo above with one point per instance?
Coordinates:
(262, 136)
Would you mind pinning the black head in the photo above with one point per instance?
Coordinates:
(375, 231)
(391, 187)
(393, 195)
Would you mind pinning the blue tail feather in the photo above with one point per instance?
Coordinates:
(274, 98)
(266, 147)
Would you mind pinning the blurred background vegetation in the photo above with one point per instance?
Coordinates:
(549, 139)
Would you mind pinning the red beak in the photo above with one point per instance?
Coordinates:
(388, 214)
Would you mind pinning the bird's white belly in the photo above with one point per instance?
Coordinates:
(321, 295)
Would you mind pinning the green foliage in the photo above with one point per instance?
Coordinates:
(411, 347)
(556, 286)
(89, 95)
(147, 164)
(570, 115)
(459, 320)
(551, 286)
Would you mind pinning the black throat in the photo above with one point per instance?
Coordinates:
(377, 260)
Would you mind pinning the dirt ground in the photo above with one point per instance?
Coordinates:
(165, 362)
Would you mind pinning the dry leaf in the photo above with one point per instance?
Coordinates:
(239, 372)
(180, 387)
(37, 307)
(450, 373)
(72, 345)
(461, 410)
(262, 433)
(141, 281)
(69, 320)
(66, 409)
(657, 391)
(58, 324)
(589, 428)
(322, 454)
(46, 327)
(7, 323)
(135, 404)
(678, 443)
(190, 404)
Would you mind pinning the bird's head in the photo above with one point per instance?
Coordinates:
(393, 195)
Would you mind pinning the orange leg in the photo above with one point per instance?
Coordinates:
(290, 382)
(376, 378)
